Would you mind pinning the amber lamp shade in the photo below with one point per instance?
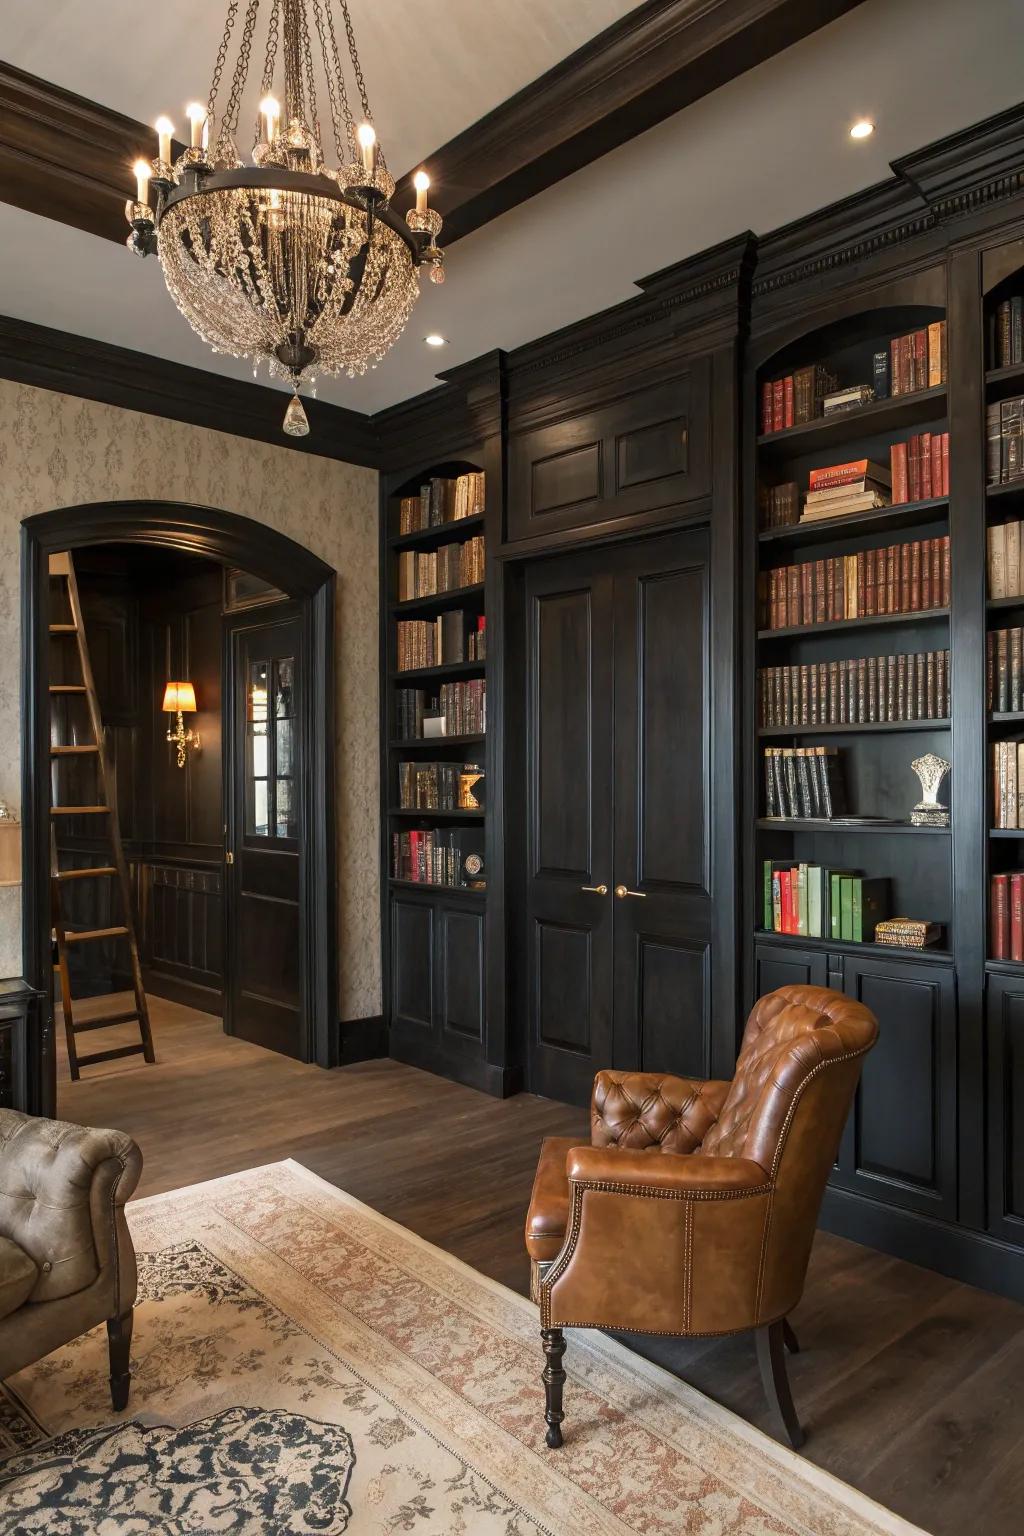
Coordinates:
(179, 696)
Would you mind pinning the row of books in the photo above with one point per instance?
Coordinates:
(802, 782)
(1007, 340)
(909, 363)
(820, 903)
(1003, 560)
(919, 467)
(451, 637)
(861, 691)
(1004, 670)
(779, 505)
(438, 856)
(459, 709)
(898, 578)
(438, 786)
(441, 501)
(1004, 441)
(424, 573)
(1007, 759)
(1006, 915)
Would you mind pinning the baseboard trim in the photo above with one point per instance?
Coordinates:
(472, 1072)
(191, 994)
(361, 1040)
(973, 1257)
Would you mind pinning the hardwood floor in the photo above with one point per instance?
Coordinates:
(908, 1384)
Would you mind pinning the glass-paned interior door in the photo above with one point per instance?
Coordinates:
(270, 809)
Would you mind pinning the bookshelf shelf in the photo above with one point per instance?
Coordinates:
(869, 621)
(845, 947)
(443, 533)
(1007, 488)
(1006, 832)
(906, 514)
(994, 604)
(840, 828)
(437, 602)
(436, 815)
(430, 888)
(867, 421)
(1014, 374)
(449, 672)
(434, 743)
(1006, 717)
(861, 728)
(1005, 967)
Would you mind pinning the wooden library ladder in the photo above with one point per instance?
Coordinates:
(62, 568)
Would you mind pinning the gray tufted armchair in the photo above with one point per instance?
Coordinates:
(66, 1256)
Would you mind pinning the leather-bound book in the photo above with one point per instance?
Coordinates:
(921, 694)
(904, 588)
(1002, 671)
(898, 466)
(766, 407)
(916, 596)
(924, 555)
(920, 341)
(942, 683)
(778, 404)
(945, 464)
(1000, 917)
(890, 579)
(1017, 916)
(890, 688)
(820, 609)
(789, 401)
(926, 465)
(1016, 636)
(914, 468)
(872, 689)
(931, 695)
(862, 690)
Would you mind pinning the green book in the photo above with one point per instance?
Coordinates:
(856, 917)
(801, 885)
(814, 901)
(835, 904)
(846, 907)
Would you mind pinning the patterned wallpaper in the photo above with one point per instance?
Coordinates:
(59, 451)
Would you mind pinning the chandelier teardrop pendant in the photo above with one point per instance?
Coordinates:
(288, 260)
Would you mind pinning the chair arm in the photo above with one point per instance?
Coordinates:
(659, 1243)
(62, 1192)
(654, 1109)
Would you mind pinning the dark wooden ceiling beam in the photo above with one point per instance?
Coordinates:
(661, 57)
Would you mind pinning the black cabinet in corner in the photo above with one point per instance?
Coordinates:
(1005, 1052)
(19, 1008)
(437, 986)
(899, 1146)
(775, 966)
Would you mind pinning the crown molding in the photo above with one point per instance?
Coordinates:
(136, 381)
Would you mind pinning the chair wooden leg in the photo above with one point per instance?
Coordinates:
(554, 1380)
(789, 1338)
(119, 1341)
(771, 1357)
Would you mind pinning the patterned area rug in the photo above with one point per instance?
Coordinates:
(304, 1365)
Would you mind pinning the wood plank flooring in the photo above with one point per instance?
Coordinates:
(909, 1384)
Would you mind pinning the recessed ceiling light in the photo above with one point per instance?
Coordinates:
(434, 340)
(862, 129)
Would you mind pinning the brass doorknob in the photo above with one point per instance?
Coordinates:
(622, 890)
(598, 890)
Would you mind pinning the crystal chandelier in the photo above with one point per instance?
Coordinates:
(289, 260)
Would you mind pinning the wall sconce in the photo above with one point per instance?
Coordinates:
(10, 847)
(179, 700)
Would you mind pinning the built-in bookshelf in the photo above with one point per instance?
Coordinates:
(851, 643)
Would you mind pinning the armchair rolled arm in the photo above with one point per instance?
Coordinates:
(654, 1109)
(691, 1176)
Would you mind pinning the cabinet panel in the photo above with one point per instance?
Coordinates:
(900, 1141)
(461, 971)
(646, 452)
(412, 962)
(1005, 1018)
(776, 966)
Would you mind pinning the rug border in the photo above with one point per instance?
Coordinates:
(861, 1504)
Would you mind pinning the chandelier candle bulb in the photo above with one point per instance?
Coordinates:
(368, 144)
(271, 110)
(197, 118)
(421, 181)
(165, 130)
(141, 170)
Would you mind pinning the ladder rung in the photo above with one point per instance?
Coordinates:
(63, 629)
(80, 935)
(121, 1050)
(85, 874)
(60, 564)
(79, 810)
(72, 751)
(103, 1021)
(67, 687)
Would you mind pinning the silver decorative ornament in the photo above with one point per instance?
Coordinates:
(929, 812)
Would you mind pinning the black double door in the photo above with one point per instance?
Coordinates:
(618, 911)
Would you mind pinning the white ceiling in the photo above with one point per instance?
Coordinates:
(763, 150)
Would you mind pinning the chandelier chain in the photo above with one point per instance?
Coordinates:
(332, 93)
(310, 76)
(222, 54)
(293, 88)
(270, 62)
(357, 70)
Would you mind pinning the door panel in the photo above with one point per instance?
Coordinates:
(569, 824)
(462, 973)
(661, 756)
(777, 966)
(264, 985)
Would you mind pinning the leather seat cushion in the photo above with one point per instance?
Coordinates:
(548, 1216)
(18, 1275)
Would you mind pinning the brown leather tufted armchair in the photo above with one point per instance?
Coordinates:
(66, 1257)
(693, 1210)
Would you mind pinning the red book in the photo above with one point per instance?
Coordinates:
(778, 405)
(898, 460)
(786, 888)
(914, 468)
(927, 601)
(1000, 916)
(936, 458)
(1017, 917)
(920, 341)
(946, 572)
(926, 465)
(833, 475)
(945, 463)
(789, 400)
(766, 407)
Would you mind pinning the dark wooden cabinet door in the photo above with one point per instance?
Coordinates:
(662, 882)
(263, 992)
(900, 1141)
(1005, 1013)
(777, 965)
(568, 928)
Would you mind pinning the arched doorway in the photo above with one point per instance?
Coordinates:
(310, 583)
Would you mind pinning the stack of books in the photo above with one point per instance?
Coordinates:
(1004, 671)
(848, 399)
(804, 782)
(819, 903)
(1006, 895)
(907, 932)
(1004, 441)
(841, 489)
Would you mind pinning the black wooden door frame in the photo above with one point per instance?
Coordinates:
(236, 541)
